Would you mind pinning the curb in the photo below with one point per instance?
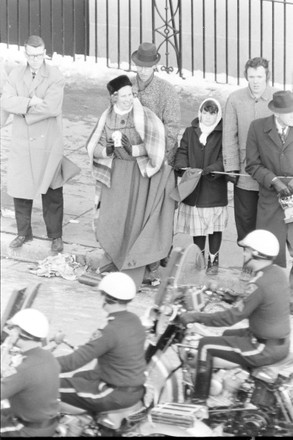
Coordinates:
(39, 249)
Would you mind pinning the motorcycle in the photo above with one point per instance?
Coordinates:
(258, 402)
(241, 402)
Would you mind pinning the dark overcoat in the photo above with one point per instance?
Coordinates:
(36, 147)
(267, 158)
(210, 191)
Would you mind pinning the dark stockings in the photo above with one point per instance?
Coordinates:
(215, 241)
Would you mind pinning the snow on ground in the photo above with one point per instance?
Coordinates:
(88, 69)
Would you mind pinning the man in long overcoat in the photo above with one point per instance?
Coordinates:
(270, 162)
(34, 95)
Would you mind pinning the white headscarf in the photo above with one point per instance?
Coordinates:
(205, 131)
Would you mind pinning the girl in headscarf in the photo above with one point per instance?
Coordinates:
(204, 212)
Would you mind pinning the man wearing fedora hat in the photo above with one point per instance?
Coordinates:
(161, 97)
(157, 94)
(270, 163)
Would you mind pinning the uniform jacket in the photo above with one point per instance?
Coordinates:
(33, 387)
(37, 144)
(266, 307)
(119, 349)
(241, 108)
(210, 191)
(266, 159)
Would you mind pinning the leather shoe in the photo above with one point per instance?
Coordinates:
(20, 240)
(57, 245)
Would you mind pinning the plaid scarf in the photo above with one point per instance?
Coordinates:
(152, 133)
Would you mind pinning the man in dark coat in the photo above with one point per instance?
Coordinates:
(270, 162)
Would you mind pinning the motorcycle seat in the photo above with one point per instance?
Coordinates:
(283, 367)
(113, 419)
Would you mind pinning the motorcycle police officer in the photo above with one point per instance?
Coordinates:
(267, 338)
(117, 380)
(29, 379)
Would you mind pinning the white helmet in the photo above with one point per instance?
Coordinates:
(264, 244)
(118, 285)
(32, 321)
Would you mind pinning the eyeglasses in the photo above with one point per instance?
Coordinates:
(33, 56)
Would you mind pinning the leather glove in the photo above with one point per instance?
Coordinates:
(208, 171)
(126, 144)
(120, 153)
(281, 188)
(110, 148)
(290, 186)
(232, 177)
(188, 317)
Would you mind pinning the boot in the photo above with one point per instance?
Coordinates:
(213, 265)
(202, 382)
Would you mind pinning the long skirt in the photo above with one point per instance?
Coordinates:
(135, 222)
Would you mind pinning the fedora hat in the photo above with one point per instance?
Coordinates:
(146, 55)
(282, 102)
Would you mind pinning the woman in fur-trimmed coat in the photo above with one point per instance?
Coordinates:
(134, 221)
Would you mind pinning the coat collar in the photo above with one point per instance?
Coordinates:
(266, 96)
(271, 129)
(31, 85)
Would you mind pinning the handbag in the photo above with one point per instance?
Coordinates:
(187, 184)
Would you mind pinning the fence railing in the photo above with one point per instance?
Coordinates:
(211, 37)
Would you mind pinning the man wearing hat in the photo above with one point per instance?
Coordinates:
(159, 96)
(270, 163)
(117, 378)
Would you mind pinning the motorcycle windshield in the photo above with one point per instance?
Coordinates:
(190, 268)
(36, 296)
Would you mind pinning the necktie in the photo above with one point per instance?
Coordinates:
(33, 75)
(283, 135)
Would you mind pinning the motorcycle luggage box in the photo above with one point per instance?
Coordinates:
(178, 414)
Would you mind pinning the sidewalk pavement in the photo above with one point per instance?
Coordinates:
(81, 108)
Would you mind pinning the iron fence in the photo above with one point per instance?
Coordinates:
(212, 37)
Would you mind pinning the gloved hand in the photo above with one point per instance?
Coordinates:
(232, 177)
(188, 317)
(290, 186)
(126, 144)
(110, 148)
(208, 170)
(281, 188)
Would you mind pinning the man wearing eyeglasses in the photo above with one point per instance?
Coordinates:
(33, 94)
